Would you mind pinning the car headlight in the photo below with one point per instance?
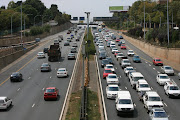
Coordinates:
(109, 94)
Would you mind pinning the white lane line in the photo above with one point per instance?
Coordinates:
(18, 89)
(59, 62)
(50, 77)
(125, 87)
(146, 62)
(158, 72)
(154, 68)
(43, 89)
(116, 67)
(120, 76)
(33, 105)
(29, 77)
(165, 104)
(151, 88)
(37, 69)
(149, 65)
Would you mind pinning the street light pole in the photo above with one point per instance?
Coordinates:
(21, 22)
(167, 23)
(88, 13)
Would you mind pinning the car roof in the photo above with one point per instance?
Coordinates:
(62, 69)
(152, 93)
(137, 74)
(124, 94)
(112, 75)
(162, 74)
(171, 83)
(2, 97)
(142, 81)
(113, 86)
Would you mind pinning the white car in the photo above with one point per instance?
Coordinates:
(114, 50)
(110, 66)
(112, 79)
(127, 69)
(162, 79)
(5, 102)
(111, 91)
(130, 53)
(119, 55)
(151, 99)
(62, 72)
(125, 63)
(40, 55)
(167, 70)
(142, 85)
(101, 46)
(171, 89)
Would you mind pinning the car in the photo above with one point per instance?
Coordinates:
(45, 67)
(74, 44)
(127, 69)
(112, 44)
(41, 55)
(123, 46)
(51, 93)
(167, 70)
(102, 55)
(129, 73)
(60, 37)
(119, 43)
(151, 99)
(134, 77)
(56, 42)
(72, 36)
(73, 50)
(121, 37)
(112, 79)
(66, 43)
(142, 85)
(172, 90)
(106, 72)
(158, 114)
(110, 66)
(119, 55)
(130, 53)
(111, 91)
(104, 62)
(110, 61)
(114, 50)
(157, 61)
(102, 50)
(5, 102)
(125, 63)
(71, 56)
(78, 38)
(117, 40)
(45, 50)
(68, 39)
(124, 103)
(162, 79)
(108, 44)
(62, 72)
(136, 59)
(68, 32)
(101, 46)
(16, 76)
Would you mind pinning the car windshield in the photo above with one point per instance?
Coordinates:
(109, 66)
(174, 88)
(45, 65)
(144, 86)
(102, 53)
(105, 61)
(14, 74)
(109, 59)
(113, 89)
(154, 99)
(122, 45)
(61, 70)
(124, 101)
(164, 77)
(112, 76)
(136, 56)
(71, 54)
(126, 61)
(50, 90)
(130, 51)
(160, 115)
(112, 44)
(1, 101)
(129, 68)
(138, 78)
(40, 53)
(168, 68)
(107, 71)
(115, 49)
(158, 59)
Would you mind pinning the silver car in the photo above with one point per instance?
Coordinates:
(158, 114)
(167, 70)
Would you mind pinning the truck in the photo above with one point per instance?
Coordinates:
(54, 53)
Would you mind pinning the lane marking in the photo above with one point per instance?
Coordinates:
(33, 105)
(18, 89)
(18, 70)
(43, 89)
(125, 87)
(120, 76)
(154, 68)
(50, 77)
(29, 77)
(165, 104)
(151, 88)
(149, 65)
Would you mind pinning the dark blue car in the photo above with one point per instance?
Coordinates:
(121, 37)
(136, 58)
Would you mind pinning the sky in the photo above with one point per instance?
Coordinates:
(76, 8)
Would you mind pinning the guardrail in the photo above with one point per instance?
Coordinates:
(101, 91)
(67, 97)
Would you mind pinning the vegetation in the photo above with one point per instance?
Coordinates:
(36, 30)
(31, 9)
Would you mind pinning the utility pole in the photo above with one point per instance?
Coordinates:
(167, 23)
(144, 20)
(21, 23)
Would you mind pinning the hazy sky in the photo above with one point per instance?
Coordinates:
(76, 8)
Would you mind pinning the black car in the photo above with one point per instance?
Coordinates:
(110, 60)
(102, 55)
(16, 76)
(46, 50)
(66, 43)
(119, 43)
(104, 62)
(121, 37)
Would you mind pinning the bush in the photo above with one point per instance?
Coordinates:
(46, 28)
(36, 30)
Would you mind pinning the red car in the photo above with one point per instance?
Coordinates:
(106, 72)
(116, 53)
(157, 61)
(123, 46)
(117, 40)
(51, 93)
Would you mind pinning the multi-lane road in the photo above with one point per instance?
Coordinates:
(27, 96)
(150, 72)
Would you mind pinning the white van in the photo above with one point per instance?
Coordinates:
(134, 77)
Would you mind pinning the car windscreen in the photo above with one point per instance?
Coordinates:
(160, 115)
(168, 68)
(113, 89)
(61, 70)
(154, 99)
(174, 88)
(136, 56)
(45, 65)
(144, 86)
(158, 59)
(109, 66)
(124, 101)
(105, 61)
(126, 61)
(15, 74)
(50, 90)
(112, 76)
(1, 101)
(164, 77)
(129, 69)
(107, 71)
(138, 78)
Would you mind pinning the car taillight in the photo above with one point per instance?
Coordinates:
(4, 104)
(54, 93)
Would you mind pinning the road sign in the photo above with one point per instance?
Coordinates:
(75, 18)
(118, 8)
(81, 18)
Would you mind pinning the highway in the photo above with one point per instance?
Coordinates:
(27, 96)
(150, 72)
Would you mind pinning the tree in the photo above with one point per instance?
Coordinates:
(11, 5)
(55, 11)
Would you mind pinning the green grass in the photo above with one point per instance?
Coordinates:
(73, 112)
(93, 106)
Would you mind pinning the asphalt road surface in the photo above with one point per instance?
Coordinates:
(27, 96)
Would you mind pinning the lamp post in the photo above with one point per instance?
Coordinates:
(35, 18)
(144, 21)
(21, 23)
(11, 22)
(88, 13)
